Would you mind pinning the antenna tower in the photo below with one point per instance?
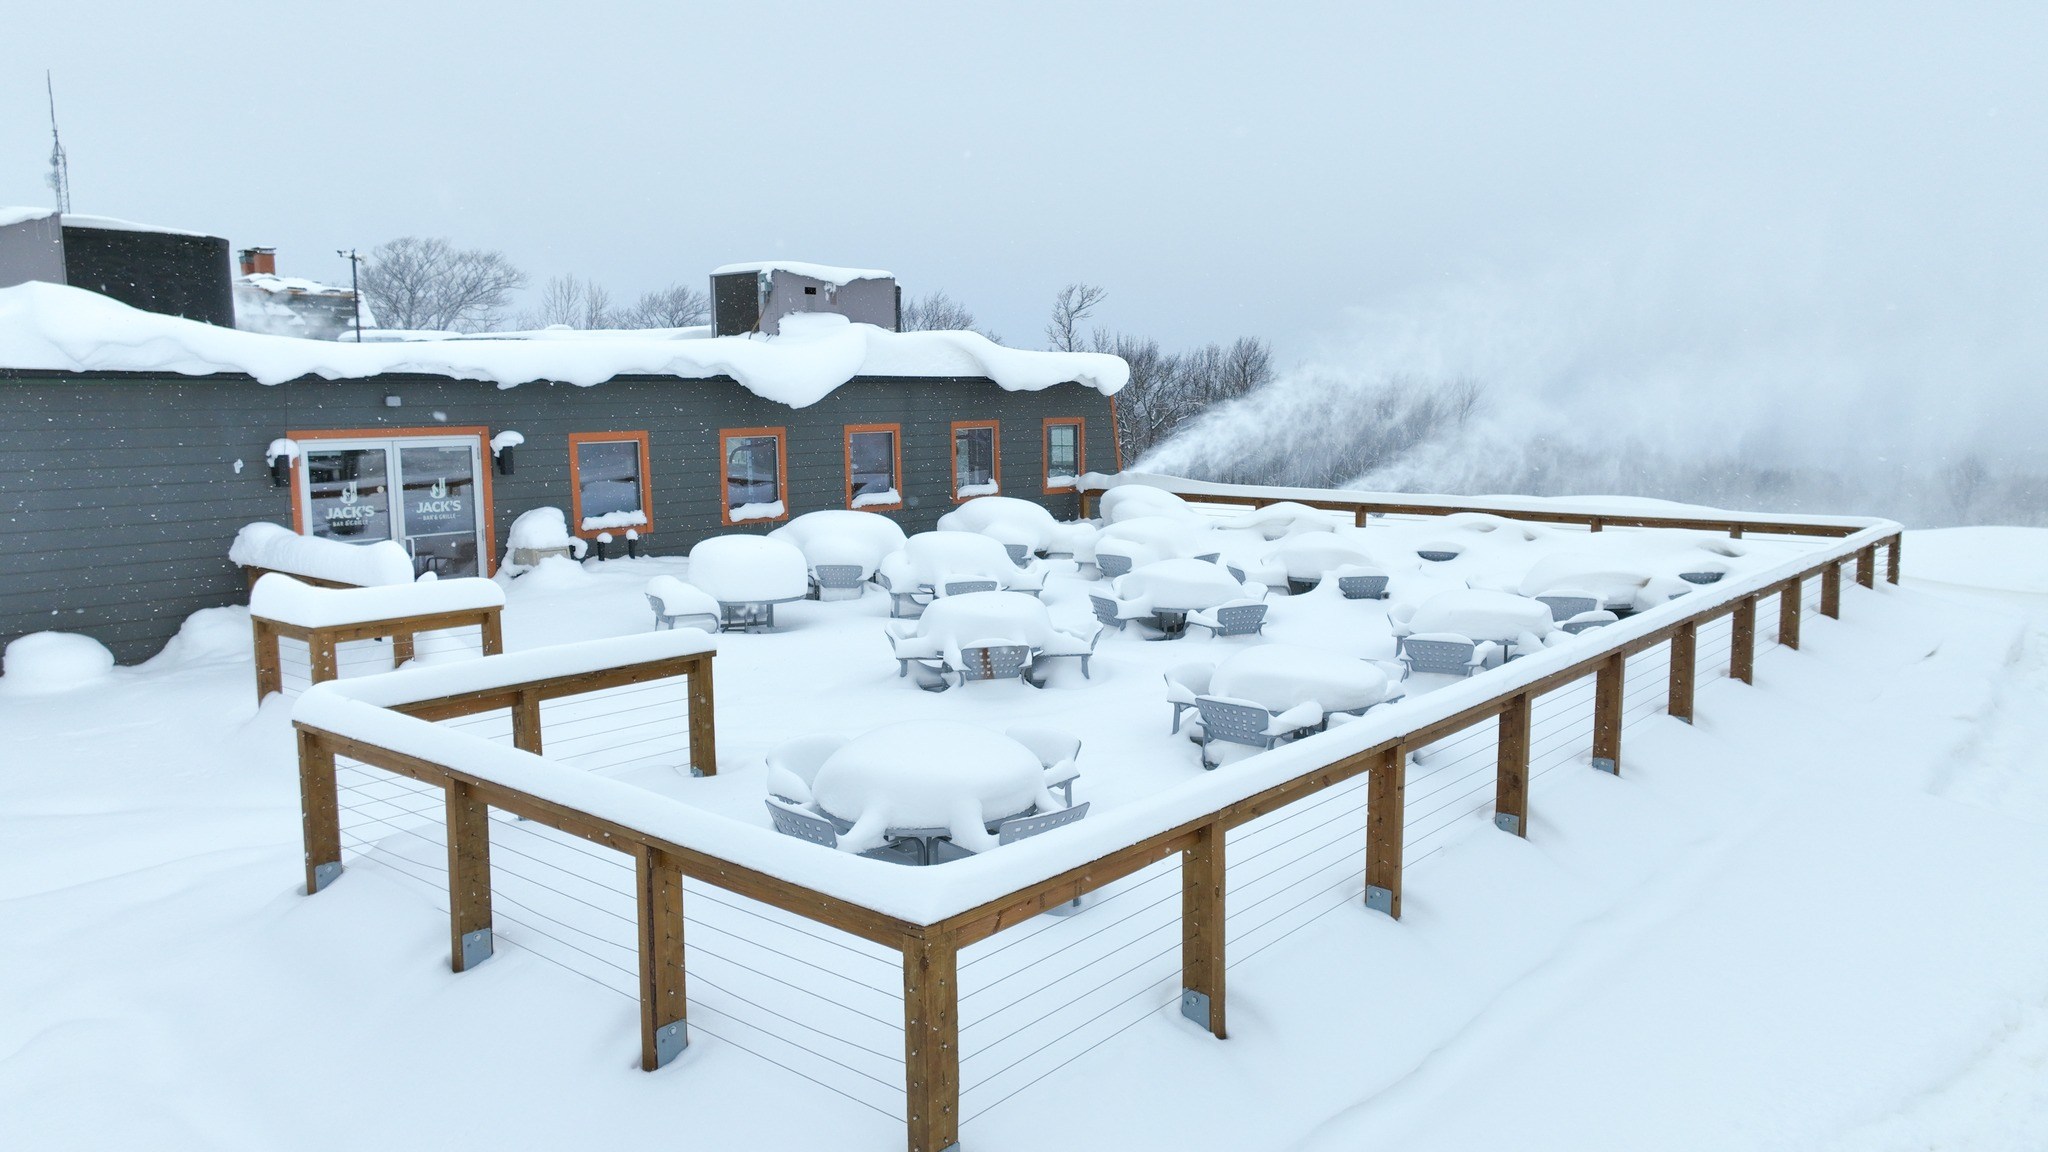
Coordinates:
(59, 178)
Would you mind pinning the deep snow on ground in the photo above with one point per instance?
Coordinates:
(1811, 921)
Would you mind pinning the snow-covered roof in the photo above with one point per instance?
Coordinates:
(290, 284)
(17, 215)
(823, 272)
(52, 327)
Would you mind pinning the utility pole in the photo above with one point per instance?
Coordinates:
(59, 178)
(355, 291)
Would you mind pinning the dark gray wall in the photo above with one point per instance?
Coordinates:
(119, 496)
(175, 274)
(32, 250)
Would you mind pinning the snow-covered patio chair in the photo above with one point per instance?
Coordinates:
(677, 603)
(1058, 750)
(1597, 618)
(904, 603)
(965, 586)
(1245, 722)
(1020, 554)
(1184, 683)
(1445, 653)
(1018, 827)
(836, 582)
(1063, 645)
(804, 824)
(995, 660)
(1362, 585)
(1112, 612)
(1237, 618)
(1112, 565)
(1565, 605)
(794, 764)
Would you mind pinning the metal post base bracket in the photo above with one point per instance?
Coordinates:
(1379, 899)
(1508, 822)
(1605, 764)
(669, 1042)
(477, 947)
(1195, 1006)
(325, 874)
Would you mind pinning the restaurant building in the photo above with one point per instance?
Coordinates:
(134, 445)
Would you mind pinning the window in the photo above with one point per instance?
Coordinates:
(608, 476)
(874, 462)
(976, 466)
(752, 467)
(429, 489)
(1063, 453)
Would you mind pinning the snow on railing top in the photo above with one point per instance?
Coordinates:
(1619, 507)
(929, 895)
(490, 673)
(280, 597)
(55, 328)
(279, 549)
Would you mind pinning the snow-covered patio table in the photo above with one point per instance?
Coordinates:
(926, 780)
(1282, 676)
(1170, 589)
(749, 576)
(955, 622)
(1482, 615)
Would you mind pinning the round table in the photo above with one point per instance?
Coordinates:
(1477, 614)
(1280, 676)
(1170, 589)
(930, 778)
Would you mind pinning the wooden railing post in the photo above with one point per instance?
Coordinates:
(401, 648)
(469, 878)
(703, 731)
(1386, 816)
(1866, 566)
(1359, 516)
(494, 631)
(319, 812)
(526, 722)
(664, 1027)
(269, 662)
(1788, 612)
(1742, 642)
(931, 1041)
(1511, 786)
(1685, 648)
(1593, 524)
(1891, 559)
(1831, 590)
(320, 651)
(1201, 929)
(1608, 683)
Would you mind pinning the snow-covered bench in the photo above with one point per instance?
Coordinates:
(282, 607)
(262, 548)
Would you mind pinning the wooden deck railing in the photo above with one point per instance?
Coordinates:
(323, 640)
(930, 945)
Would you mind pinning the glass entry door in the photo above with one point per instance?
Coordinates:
(422, 492)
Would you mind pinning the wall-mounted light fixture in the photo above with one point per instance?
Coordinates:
(501, 449)
(279, 456)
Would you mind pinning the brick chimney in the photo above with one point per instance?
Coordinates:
(259, 260)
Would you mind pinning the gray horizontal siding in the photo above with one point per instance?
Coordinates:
(118, 498)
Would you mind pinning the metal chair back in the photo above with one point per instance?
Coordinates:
(802, 825)
(1105, 611)
(1445, 657)
(1112, 565)
(1241, 620)
(837, 581)
(1018, 827)
(1019, 554)
(1566, 607)
(1362, 587)
(994, 662)
(963, 587)
(1234, 723)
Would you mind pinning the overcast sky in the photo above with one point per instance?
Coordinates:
(1331, 177)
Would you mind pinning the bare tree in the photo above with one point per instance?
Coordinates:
(429, 284)
(675, 306)
(569, 302)
(935, 312)
(1075, 303)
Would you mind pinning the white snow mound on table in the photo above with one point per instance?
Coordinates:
(50, 326)
(741, 569)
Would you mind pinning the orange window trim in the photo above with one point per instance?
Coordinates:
(895, 432)
(487, 513)
(576, 441)
(995, 455)
(726, 435)
(1080, 451)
